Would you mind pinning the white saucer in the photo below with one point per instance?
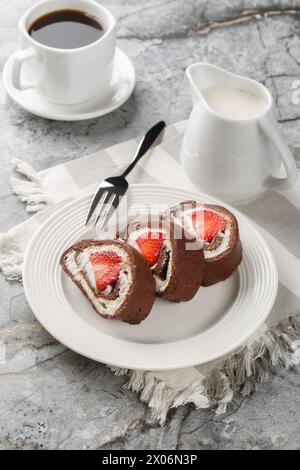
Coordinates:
(216, 321)
(123, 82)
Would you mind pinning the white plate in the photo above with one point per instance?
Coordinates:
(215, 322)
(122, 85)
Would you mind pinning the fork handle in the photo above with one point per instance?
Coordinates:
(145, 144)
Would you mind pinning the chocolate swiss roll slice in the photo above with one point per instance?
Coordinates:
(217, 227)
(113, 276)
(177, 271)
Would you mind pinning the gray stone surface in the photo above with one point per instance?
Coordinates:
(50, 396)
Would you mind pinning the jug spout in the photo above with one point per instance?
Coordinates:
(202, 76)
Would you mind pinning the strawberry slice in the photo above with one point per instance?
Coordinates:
(150, 244)
(207, 224)
(106, 267)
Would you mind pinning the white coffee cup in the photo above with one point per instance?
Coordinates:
(65, 76)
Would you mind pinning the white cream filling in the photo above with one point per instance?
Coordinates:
(225, 237)
(83, 265)
(160, 284)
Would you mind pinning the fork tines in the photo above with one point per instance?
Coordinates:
(105, 205)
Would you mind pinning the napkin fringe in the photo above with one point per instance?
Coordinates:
(237, 374)
(11, 258)
(30, 188)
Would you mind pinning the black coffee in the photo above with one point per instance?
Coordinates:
(66, 29)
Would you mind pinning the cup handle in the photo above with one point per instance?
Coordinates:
(19, 58)
(271, 130)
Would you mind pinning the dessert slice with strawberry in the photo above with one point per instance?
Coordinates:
(177, 272)
(113, 276)
(217, 228)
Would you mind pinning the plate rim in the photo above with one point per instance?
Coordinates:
(160, 367)
(76, 116)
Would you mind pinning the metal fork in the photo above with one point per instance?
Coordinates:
(112, 189)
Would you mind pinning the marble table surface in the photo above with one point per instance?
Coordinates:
(52, 398)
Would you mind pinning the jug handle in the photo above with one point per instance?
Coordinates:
(270, 128)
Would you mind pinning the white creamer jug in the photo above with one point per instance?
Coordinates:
(232, 147)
